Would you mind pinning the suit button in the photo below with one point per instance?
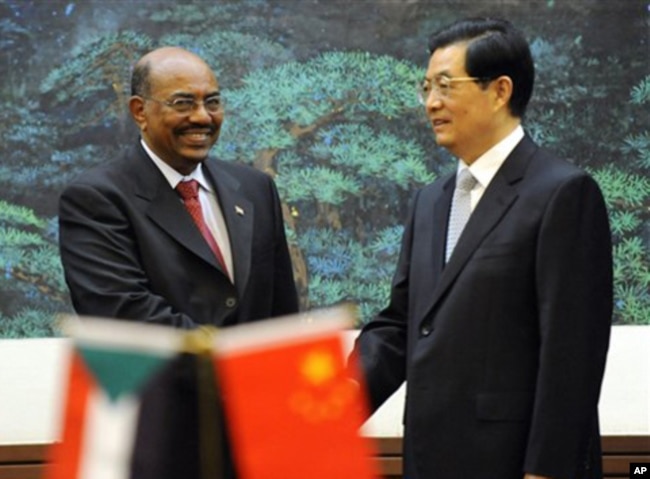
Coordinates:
(231, 302)
(425, 330)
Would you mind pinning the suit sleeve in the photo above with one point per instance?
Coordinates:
(101, 262)
(574, 288)
(285, 297)
(380, 350)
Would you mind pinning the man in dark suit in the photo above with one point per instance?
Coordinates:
(501, 339)
(134, 247)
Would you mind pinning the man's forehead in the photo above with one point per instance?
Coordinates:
(178, 74)
(447, 60)
(166, 53)
(176, 63)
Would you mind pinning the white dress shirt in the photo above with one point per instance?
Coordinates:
(487, 165)
(212, 214)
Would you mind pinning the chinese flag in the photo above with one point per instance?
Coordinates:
(291, 411)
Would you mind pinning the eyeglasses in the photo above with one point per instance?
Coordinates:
(212, 104)
(442, 85)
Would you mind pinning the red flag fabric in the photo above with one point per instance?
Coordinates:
(291, 410)
(66, 456)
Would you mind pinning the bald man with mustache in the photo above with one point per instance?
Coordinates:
(136, 246)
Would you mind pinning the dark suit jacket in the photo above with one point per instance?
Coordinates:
(504, 348)
(130, 250)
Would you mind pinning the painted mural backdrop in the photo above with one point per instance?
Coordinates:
(320, 95)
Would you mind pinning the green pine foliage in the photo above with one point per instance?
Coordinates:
(31, 270)
(627, 194)
(637, 141)
(100, 93)
(29, 323)
(566, 112)
(628, 197)
(289, 103)
(638, 145)
(19, 216)
(199, 18)
(343, 269)
(640, 94)
(632, 281)
(15, 45)
(231, 54)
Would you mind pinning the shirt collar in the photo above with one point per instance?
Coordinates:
(487, 165)
(172, 176)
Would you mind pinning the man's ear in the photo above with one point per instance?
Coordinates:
(502, 90)
(136, 107)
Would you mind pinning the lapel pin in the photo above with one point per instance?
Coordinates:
(239, 210)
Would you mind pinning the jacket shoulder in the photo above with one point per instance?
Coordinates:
(120, 170)
(238, 170)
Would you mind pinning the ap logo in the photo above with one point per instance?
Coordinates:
(639, 469)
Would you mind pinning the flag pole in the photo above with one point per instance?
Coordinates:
(199, 342)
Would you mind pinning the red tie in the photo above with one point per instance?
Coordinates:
(189, 191)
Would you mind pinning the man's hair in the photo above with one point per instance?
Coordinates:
(141, 79)
(495, 48)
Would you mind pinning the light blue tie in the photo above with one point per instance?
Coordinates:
(461, 208)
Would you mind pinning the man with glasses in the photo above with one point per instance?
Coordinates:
(166, 235)
(500, 308)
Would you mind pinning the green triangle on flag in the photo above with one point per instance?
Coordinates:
(121, 371)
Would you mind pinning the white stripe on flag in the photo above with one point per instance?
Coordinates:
(109, 437)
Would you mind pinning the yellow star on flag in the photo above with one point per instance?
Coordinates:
(318, 367)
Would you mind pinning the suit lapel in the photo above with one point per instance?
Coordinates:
(164, 207)
(238, 213)
(440, 215)
(429, 243)
(494, 204)
(168, 212)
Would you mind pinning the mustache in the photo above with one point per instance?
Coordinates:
(210, 129)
